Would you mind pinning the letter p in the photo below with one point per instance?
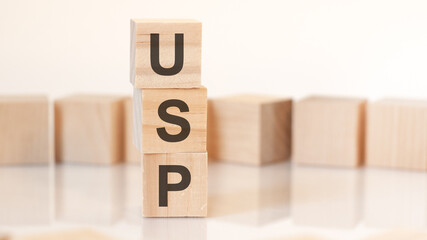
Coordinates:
(165, 187)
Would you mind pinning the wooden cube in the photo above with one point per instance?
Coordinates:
(249, 129)
(397, 134)
(166, 53)
(89, 129)
(329, 131)
(24, 127)
(171, 120)
(131, 153)
(174, 185)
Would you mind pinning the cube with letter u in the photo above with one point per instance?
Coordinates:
(166, 53)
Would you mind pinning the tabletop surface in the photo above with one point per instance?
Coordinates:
(271, 202)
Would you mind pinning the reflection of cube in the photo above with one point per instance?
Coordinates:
(25, 196)
(89, 194)
(329, 131)
(131, 152)
(265, 192)
(166, 53)
(89, 129)
(249, 129)
(174, 228)
(397, 134)
(187, 202)
(394, 199)
(24, 130)
(171, 120)
(133, 192)
(325, 197)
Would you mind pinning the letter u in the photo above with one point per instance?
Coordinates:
(179, 55)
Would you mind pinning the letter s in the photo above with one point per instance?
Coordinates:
(182, 122)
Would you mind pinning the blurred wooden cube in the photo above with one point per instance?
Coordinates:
(4, 236)
(89, 129)
(249, 129)
(24, 127)
(329, 131)
(166, 53)
(397, 134)
(189, 202)
(81, 234)
(131, 152)
(171, 120)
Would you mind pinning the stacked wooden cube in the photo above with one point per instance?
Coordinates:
(170, 107)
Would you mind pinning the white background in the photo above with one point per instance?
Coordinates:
(369, 48)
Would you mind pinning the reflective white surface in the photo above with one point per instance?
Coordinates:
(245, 202)
(25, 196)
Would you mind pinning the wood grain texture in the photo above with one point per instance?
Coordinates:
(89, 129)
(250, 129)
(131, 152)
(142, 74)
(67, 235)
(397, 134)
(191, 202)
(24, 127)
(329, 131)
(149, 102)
